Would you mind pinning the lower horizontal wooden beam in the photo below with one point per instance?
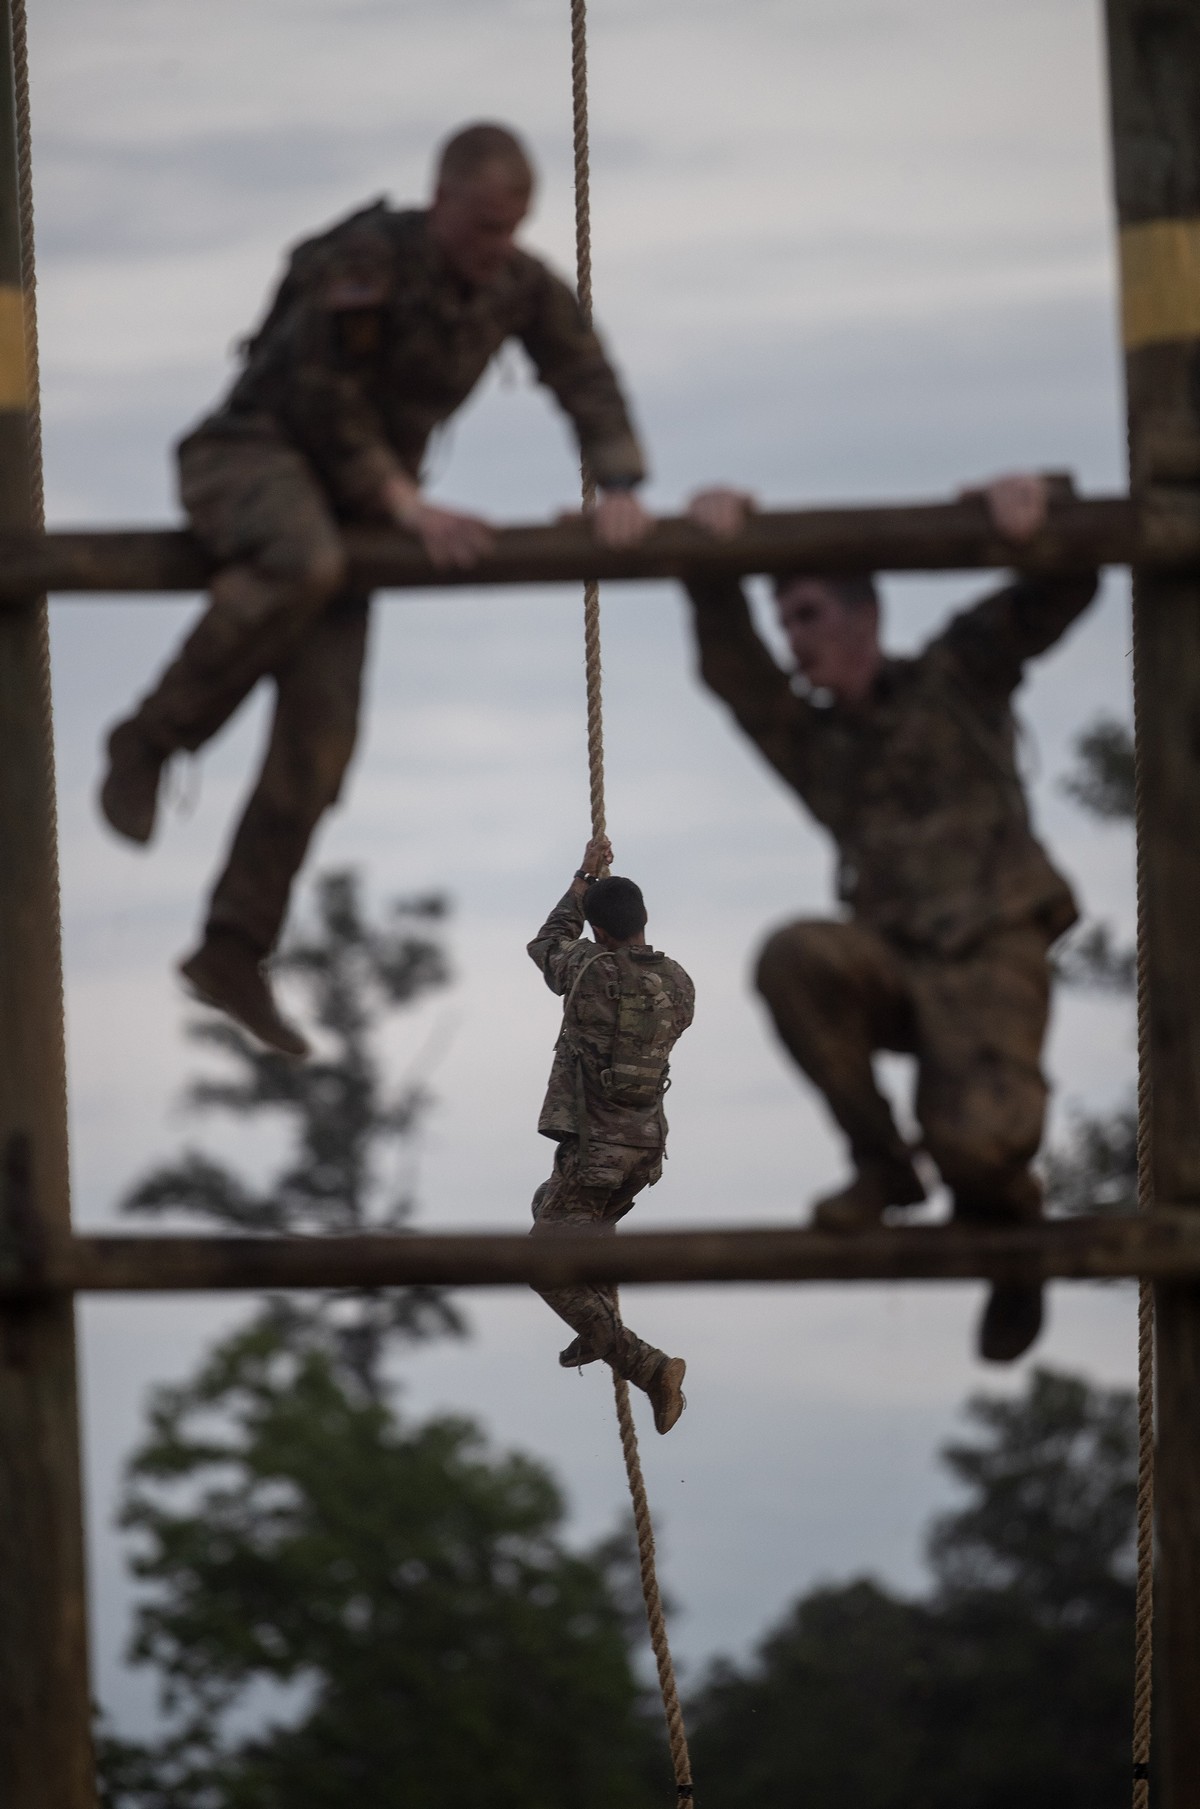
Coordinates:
(1165, 1246)
(1081, 532)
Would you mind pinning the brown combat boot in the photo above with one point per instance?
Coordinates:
(129, 794)
(225, 972)
(1011, 1321)
(1012, 1318)
(665, 1389)
(577, 1353)
(881, 1181)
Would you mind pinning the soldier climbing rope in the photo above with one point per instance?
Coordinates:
(672, 1708)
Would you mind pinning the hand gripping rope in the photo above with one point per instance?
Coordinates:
(676, 1733)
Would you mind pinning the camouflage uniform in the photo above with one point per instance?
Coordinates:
(606, 1152)
(953, 902)
(369, 345)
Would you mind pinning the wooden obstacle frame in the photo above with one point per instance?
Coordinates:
(45, 1709)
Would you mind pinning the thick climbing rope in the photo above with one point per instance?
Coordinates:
(583, 284)
(33, 405)
(676, 1734)
(33, 430)
(1144, 1588)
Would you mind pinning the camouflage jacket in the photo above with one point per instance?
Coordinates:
(371, 342)
(576, 1092)
(918, 787)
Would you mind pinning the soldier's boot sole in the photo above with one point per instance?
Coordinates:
(665, 1389)
(224, 973)
(578, 1353)
(876, 1186)
(129, 794)
(1011, 1321)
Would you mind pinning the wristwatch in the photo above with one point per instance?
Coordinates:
(589, 879)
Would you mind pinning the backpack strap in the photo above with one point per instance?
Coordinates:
(583, 967)
(565, 1037)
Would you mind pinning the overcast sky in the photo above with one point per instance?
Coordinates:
(843, 249)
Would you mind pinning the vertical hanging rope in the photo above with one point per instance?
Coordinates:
(33, 403)
(29, 279)
(656, 1622)
(33, 418)
(1144, 1591)
(583, 285)
(676, 1733)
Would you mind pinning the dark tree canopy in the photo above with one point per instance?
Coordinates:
(1091, 957)
(1010, 1683)
(409, 1586)
(1103, 777)
(1096, 1169)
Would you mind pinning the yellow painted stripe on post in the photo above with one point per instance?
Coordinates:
(1160, 282)
(14, 392)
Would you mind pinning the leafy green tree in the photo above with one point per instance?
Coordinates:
(1009, 1683)
(1096, 1169)
(1103, 778)
(341, 1606)
(1102, 781)
(830, 1711)
(1091, 957)
(348, 1130)
(408, 1587)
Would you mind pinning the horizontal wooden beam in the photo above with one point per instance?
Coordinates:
(1165, 1246)
(1082, 532)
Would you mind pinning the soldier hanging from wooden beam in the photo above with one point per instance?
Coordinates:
(951, 902)
(379, 331)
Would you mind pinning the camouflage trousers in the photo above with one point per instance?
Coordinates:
(840, 991)
(581, 1200)
(278, 609)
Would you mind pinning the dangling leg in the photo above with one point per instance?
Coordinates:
(256, 506)
(837, 994)
(565, 1206)
(981, 1100)
(312, 740)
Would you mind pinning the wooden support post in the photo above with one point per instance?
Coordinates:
(45, 1739)
(1154, 58)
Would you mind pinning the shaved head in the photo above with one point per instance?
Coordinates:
(485, 149)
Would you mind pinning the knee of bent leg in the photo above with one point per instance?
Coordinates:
(311, 568)
(987, 1132)
(793, 956)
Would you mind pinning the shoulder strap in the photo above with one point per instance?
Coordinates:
(584, 1132)
(583, 967)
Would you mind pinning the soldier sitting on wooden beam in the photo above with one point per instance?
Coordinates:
(380, 330)
(952, 903)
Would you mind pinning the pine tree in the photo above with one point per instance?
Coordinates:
(349, 1132)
